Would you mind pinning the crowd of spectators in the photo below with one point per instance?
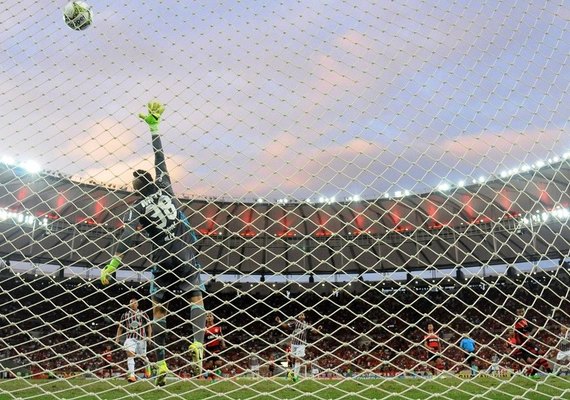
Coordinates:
(63, 328)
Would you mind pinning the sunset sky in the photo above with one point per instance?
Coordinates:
(289, 99)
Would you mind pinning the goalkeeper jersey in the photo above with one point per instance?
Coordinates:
(160, 214)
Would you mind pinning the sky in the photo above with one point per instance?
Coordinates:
(296, 99)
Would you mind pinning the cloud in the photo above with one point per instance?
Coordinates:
(493, 151)
(286, 98)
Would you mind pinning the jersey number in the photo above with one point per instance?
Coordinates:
(162, 211)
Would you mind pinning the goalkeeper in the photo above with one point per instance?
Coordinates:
(175, 266)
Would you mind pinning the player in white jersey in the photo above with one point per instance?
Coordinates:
(563, 346)
(138, 331)
(299, 335)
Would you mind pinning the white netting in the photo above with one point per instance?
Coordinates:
(376, 166)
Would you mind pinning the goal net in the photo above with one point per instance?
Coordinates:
(377, 195)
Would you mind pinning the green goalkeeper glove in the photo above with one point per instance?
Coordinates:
(109, 270)
(155, 110)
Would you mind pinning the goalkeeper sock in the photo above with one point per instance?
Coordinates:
(131, 365)
(198, 320)
(159, 337)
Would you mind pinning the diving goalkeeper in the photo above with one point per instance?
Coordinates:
(175, 266)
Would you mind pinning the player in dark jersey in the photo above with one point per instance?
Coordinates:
(516, 353)
(138, 332)
(529, 350)
(433, 346)
(524, 334)
(523, 329)
(214, 344)
(175, 266)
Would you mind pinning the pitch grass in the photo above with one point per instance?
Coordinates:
(451, 388)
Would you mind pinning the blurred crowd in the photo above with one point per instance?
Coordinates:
(67, 328)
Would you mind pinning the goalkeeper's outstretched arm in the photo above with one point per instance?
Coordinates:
(152, 119)
(162, 180)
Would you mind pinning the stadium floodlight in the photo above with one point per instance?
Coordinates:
(461, 183)
(8, 160)
(561, 213)
(31, 167)
(326, 200)
(444, 187)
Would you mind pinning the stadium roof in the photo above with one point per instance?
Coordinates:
(521, 217)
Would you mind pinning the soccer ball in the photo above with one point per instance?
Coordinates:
(78, 15)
